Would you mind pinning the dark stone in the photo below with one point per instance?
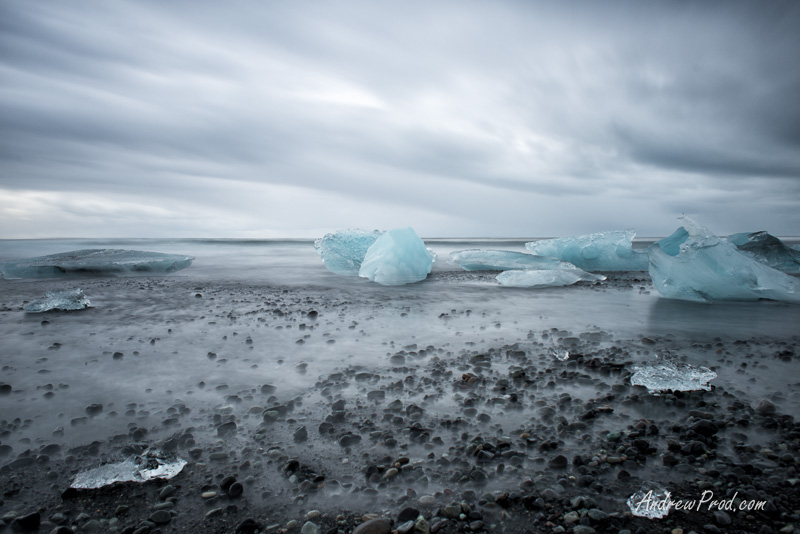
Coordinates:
(559, 462)
(27, 523)
(722, 518)
(161, 517)
(705, 428)
(236, 489)
(374, 526)
(226, 428)
(61, 530)
(226, 482)
(407, 514)
(301, 434)
(248, 526)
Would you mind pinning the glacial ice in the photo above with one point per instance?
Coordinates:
(150, 465)
(769, 250)
(95, 261)
(603, 251)
(694, 264)
(64, 300)
(343, 252)
(666, 375)
(504, 260)
(545, 278)
(397, 257)
(651, 501)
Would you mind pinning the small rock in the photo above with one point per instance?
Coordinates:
(27, 523)
(161, 517)
(236, 489)
(374, 526)
(309, 528)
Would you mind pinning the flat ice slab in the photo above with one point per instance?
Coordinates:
(545, 278)
(603, 251)
(149, 466)
(397, 257)
(64, 300)
(662, 376)
(503, 260)
(96, 261)
(343, 252)
(769, 250)
(694, 264)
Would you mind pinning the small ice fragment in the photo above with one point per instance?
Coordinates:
(769, 250)
(665, 375)
(65, 300)
(150, 465)
(560, 354)
(343, 252)
(694, 264)
(603, 251)
(397, 257)
(107, 261)
(651, 501)
(545, 278)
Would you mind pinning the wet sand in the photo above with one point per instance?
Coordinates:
(312, 409)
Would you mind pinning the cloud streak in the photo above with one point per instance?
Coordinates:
(515, 118)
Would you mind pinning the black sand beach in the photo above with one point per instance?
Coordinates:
(312, 410)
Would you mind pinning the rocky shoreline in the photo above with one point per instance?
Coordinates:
(483, 434)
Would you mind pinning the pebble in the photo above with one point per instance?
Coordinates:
(236, 489)
(161, 517)
(374, 526)
(309, 528)
(208, 494)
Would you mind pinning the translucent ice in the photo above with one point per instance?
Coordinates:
(603, 251)
(651, 501)
(694, 264)
(95, 261)
(152, 464)
(769, 250)
(343, 251)
(666, 375)
(397, 257)
(65, 300)
(545, 278)
(503, 260)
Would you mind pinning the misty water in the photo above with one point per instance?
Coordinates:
(192, 349)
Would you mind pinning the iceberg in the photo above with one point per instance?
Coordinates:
(343, 252)
(694, 264)
(95, 261)
(397, 257)
(64, 300)
(545, 278)
(150, 465)
(603, 251)
(504, 260)
(769, 250)
(665, 375)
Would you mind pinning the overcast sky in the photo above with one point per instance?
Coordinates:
(292, 119)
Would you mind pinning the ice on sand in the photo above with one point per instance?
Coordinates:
(343, 252)
(397, 257)
(603, 251)
(503, 260)
(651, 501)
(666, 375)
(96, 261)
(545, 278)
(769, 250)
(694, 264)
(150, 465)
(64, 300)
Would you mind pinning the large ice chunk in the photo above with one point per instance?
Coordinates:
(545, 278)
(666, 375)
(95, 261)
(64, 300)
(503, 260)
(694, 264)
(651, 501)
(150, 465)
(769, 250)
(603, 251)
(397, 257)
(342, 252)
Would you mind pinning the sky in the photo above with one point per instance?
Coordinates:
(259, 119)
